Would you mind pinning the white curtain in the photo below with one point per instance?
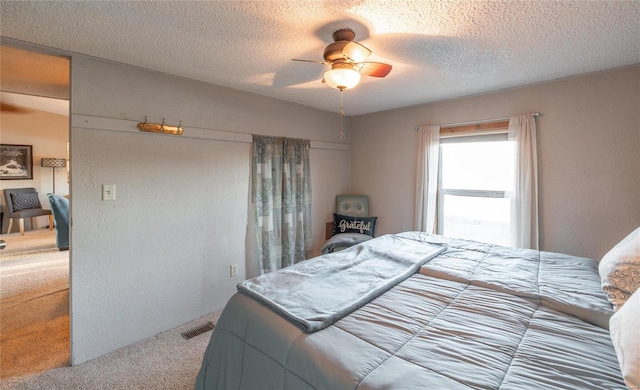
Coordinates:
(524, 198)
(427, 178)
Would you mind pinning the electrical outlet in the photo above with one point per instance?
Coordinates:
(108, 192)
(233, 270)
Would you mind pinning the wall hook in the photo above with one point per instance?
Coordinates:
(160, 128)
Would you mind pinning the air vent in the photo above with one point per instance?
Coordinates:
(198, 331)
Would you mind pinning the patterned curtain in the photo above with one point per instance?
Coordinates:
(281, 186)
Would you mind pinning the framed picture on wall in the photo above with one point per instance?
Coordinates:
(16, 162)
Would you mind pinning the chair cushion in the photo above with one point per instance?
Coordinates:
(25, 201)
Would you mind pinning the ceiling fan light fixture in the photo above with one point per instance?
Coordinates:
(342, 78)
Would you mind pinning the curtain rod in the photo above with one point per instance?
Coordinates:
(479, 122)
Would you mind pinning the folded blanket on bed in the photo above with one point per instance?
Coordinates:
(316, 293)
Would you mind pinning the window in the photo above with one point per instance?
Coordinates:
(485, 177)
(476, 174)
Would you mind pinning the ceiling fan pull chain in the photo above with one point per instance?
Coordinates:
(341, 136)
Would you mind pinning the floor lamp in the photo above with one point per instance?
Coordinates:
(53, 163)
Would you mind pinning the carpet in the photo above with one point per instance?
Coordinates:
(33, 241)
(34, 301)
(164, 362)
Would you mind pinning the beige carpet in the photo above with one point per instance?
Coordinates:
(33, 241)
(163, 362)
(34, 306)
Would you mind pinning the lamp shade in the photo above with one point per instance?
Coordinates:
(342, 78)
(53, 162)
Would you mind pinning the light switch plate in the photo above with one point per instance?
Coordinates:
(108, 192)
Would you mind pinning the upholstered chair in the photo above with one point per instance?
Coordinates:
(351, 223)
(24, 203)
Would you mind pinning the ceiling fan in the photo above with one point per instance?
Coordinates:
(12, 108)
(346, 58)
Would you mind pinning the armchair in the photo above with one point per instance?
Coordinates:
(24, 203)
(60, 209)
(351, 223)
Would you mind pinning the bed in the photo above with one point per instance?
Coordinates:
(414, 310)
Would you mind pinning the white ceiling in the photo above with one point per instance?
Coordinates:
(439, 49)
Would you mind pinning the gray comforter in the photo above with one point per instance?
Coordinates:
(476, 316)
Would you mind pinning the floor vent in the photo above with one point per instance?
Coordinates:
(198, 331)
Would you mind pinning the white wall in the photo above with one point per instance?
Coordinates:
(48, 134)
(159, 255)
(588, 148)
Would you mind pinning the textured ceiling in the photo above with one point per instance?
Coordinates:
(439, 49)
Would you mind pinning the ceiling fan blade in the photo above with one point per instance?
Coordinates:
(355, 51)
(317, 62)
(6, 107)
(374, 69)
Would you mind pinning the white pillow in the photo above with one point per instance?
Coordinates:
(620, 270)
(624, 326)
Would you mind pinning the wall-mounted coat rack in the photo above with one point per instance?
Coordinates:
(160, 128)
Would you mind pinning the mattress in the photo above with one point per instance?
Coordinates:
(476, 316)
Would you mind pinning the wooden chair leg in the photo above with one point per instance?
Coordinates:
(10, 225)
(21, 223)
(50, 222)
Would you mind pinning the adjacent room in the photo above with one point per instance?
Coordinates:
(228, 165)
(34, 266)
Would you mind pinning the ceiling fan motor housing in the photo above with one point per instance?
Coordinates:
(341, 38)
(344, 34)
(334, 51)
(342, 64)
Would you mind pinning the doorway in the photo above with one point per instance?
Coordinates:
(34, 290)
